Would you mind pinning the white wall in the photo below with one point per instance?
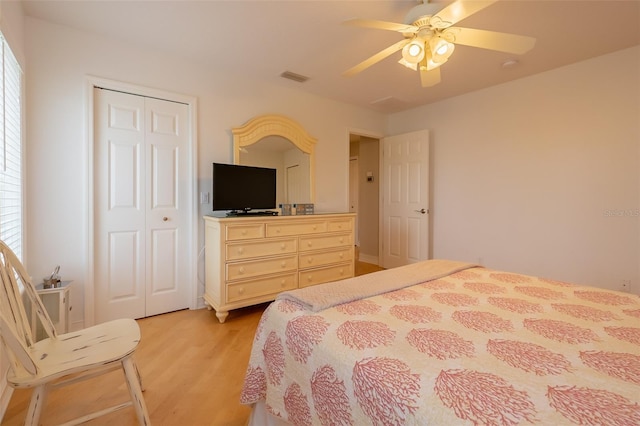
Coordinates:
(11, 23)
(59, 58)
(527, 175)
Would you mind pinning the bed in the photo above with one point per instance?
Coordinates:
(444, 342)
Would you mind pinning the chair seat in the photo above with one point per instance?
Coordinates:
(76, 352)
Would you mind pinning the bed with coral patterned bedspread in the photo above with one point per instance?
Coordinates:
(460, 345)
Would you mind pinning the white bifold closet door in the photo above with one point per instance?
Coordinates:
(140, 196)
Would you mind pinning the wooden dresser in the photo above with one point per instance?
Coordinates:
(249, 260)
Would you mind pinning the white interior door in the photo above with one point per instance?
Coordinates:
(166, 142)
(140, 214)
(405, 199)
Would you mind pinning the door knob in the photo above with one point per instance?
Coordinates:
(164, 219)
(423, 211)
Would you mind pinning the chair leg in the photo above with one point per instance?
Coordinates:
(35, 406)
(133, 382)
(139, 375)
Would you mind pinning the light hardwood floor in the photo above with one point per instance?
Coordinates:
(192, 367)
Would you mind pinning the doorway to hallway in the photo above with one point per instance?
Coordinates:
(364, 181)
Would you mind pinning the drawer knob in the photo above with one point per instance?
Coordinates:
(283, 283)
(310, 260)
(244, 232)
(309, 244)
(241, 270)
(283, 246)
(283, 264)
(341, 240)
(240, 290)
(341, 271)
(309, 278)
(240, 250)
(341, 255)
(315, 227)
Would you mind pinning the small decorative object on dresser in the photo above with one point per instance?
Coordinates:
(249, 260)
(303, 208)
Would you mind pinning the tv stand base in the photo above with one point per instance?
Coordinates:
(250, 213)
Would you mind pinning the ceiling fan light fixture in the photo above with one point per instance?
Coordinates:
(410, 65)
(428, 64)
(413, 52)
(441, 49)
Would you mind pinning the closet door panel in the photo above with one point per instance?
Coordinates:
(168, 185)
(119, 219)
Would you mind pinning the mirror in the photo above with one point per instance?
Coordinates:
(280, 143)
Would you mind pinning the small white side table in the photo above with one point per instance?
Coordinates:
(57, 303)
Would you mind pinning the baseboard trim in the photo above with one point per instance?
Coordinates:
(367, 258)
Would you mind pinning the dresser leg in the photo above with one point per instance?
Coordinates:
(222, 316)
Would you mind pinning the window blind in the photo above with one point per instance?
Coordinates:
(10, 150)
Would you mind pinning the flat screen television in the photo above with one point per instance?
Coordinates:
(241, 189)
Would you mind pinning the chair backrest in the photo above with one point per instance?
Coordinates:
(17, 353)
(15, 327)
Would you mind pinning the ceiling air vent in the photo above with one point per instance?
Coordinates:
(295, 77)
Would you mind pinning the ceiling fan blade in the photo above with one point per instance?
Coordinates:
(376, 58)
(459, 10)
(382, 25)
(502, 42)
(429, 78)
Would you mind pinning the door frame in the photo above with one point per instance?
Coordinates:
(372, 135)
(353, 182)
(192, 205)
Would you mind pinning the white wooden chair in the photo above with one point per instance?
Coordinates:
(61, 359)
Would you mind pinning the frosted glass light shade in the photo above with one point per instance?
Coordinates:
(441, 49)
(413, 52)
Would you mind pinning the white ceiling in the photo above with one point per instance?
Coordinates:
(262, 38)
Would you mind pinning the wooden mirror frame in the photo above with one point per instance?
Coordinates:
(263, 126)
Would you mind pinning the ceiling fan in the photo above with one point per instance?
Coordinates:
(430, 38)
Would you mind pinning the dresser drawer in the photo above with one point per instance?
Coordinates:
(261, 287)
(244, 231)
(340, 225)
(314, 259)
(325, 241)
(324, 275)
(260, 248)
(286, 229)
(254, 268)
